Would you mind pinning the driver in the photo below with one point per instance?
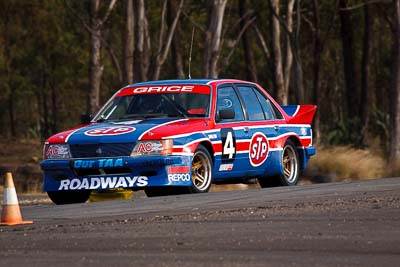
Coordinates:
(149, 104)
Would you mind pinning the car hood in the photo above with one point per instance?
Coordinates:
(128, 131)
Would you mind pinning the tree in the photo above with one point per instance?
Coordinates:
(282, 77)
(280, 93)
(177, 58)
(142, 50)
(366, 71)
(351, 91)
(129, 42)
(212, 44)
(394, 154)
(96, 68)
(289, 56)
(251, 69)
(149, 63)
(165, 44)
(295, 45)
(317, 51)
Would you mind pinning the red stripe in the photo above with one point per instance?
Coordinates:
(182, 169)
(245, 146)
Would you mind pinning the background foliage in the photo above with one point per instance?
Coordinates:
(45, 53)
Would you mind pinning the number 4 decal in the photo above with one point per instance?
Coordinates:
(228, 145)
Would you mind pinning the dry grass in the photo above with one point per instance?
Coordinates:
(20, 152)
(347, 163)
(34, 199)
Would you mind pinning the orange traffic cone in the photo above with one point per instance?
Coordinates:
(11, 214)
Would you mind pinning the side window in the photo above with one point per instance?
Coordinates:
(278, 114)
(251, 103)
(266, 105)
(270, 111)
(227, 99)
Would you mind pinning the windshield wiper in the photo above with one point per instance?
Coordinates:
(101, 119)
(176, 106)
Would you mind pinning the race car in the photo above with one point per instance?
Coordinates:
(180, 136)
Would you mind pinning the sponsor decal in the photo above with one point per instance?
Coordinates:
(145, 147)
(179, 174)
(57, 152)
(226, 167)
(101, 163)
(181, 169)
(112, 130)
(179, 177)
(258, 149)
(161, 89)
(212, 136)
(103, 182)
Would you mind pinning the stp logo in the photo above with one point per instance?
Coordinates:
(258, 149)
(114, 130)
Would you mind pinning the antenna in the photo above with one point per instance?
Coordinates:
(190, 53)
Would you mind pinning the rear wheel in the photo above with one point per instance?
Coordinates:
(290, 165)
(69, 197)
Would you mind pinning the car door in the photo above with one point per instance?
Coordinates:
(264, 127)
(231, 157)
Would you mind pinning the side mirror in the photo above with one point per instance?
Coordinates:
(86, 118)
(226, 114)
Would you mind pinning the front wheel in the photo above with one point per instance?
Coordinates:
(201, 171)
(290, 165)
(201, 177)
(69, 197)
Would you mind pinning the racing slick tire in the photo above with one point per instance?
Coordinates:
(202, 167)
(291, 168)
(69, 197)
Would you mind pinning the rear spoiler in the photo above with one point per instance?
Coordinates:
(300, 114)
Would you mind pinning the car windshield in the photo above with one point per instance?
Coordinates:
(155, 105)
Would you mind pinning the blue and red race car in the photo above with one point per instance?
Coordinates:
(180, 136)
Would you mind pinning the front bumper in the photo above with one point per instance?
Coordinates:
(122, 172)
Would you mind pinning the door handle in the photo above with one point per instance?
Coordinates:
(246, 129)
(276, 127)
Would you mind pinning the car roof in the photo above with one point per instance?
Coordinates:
(184, 81)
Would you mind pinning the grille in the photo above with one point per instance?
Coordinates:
(101, 150)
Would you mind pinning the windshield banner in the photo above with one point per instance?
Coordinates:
(196, 89)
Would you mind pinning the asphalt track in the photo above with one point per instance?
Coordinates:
(336, 224)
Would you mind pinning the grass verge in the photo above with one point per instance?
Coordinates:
(346, 163)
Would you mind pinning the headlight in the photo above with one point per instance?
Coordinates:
(58, 151)
(152, 148)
